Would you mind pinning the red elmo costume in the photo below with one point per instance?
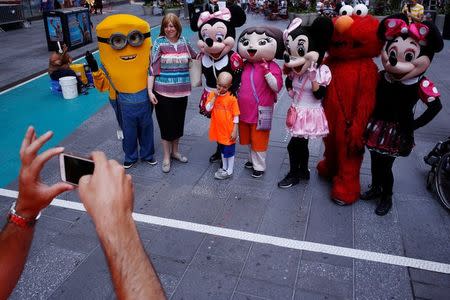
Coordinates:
(349, 101)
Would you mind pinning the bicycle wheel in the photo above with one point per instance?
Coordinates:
(442, 180)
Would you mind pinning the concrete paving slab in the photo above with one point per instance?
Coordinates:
(375, 233)
(225, 247)
(91, 280)
(429, 291)
(242, 296)
(179, 244)
(208, 277)
(272, 264)
(80, 236)
(423, 237)
(374, 280)
(263, 289)
(39, 279)
(323, 278)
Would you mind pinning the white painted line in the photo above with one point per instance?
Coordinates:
(271, 240)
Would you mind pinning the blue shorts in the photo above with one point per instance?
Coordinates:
(227, 150)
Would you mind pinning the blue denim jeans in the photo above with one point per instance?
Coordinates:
(135, 112)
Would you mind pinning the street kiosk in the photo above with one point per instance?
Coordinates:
(71, 26)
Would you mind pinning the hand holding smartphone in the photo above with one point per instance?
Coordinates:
(74, 167)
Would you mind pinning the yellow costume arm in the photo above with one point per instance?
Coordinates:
(102, 84)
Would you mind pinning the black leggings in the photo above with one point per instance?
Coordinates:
(298, 154)
(381, 168)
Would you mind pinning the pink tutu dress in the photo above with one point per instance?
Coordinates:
(310, 121)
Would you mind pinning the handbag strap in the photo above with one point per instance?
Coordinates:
(302, 88)
(252, 83)
(119, 112)
(109, 78)
(187, 48)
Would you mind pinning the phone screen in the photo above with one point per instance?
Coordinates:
(75, 168)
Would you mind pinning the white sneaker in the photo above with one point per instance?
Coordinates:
(222, 174)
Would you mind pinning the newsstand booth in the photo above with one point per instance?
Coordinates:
(70, 26)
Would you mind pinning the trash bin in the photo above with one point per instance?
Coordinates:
(71, 26)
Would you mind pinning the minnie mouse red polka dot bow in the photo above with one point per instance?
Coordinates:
(396, 27)
(223, 14)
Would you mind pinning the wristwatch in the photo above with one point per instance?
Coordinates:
(20, 221)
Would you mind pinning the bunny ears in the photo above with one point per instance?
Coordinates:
(294, 25)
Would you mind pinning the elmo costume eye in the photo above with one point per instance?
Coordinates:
(409, 56)
(346, 10)
(360, 10)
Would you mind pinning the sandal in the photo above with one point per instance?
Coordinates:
(166, 166)
(179, 157)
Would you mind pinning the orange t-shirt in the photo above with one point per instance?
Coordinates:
(224, 110)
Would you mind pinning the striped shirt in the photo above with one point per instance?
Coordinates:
(170, 66)
(416, 11)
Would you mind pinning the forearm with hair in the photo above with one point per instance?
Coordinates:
(132, 272)
(15, 243)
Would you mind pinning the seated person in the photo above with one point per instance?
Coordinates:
(59, 66)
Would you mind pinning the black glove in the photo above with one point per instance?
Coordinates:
(92, 63)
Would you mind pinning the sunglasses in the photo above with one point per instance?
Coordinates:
(118, 41)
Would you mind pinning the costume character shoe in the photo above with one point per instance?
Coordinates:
(384, 205)
(373, 192)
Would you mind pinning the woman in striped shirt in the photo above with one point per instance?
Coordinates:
(169, 85)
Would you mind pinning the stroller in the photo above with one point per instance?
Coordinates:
(439, 175)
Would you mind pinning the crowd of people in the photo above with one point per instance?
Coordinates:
(94, 6)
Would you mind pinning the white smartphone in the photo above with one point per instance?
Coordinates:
(73, 167)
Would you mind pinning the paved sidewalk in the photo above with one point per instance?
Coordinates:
(66, 261)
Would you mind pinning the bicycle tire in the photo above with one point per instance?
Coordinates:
(442, 180)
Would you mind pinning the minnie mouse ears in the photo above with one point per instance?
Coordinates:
(425, 33)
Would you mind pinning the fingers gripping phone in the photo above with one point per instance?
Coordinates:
(74, 167)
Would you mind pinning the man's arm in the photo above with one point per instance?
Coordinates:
(15, 240)
(108, 198)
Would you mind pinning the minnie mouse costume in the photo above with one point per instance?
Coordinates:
(306, 82)
(407, 54)
(217, 33)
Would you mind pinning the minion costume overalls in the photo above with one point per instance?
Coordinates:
(124, 44)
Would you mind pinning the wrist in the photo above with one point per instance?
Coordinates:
(23, 218)
(25, 211)
(120, 225)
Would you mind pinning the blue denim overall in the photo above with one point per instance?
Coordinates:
(135, 111)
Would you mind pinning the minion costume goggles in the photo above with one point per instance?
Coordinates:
(118, 41)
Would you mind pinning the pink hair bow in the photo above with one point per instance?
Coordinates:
(294, 24)
(396, 27)
(223, 14)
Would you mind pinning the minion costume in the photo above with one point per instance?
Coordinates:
(124, 44)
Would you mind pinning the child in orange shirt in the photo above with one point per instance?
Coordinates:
(224, 123)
